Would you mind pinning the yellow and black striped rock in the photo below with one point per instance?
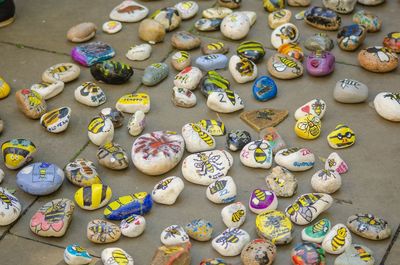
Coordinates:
(215, 47)
(111, 72)
(251, 50)
(93, 197)
(273, 5)
(213, 82)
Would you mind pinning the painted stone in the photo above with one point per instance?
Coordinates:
(231, 242)
(298, 2)
(274, 226)
(187, 9)
(341, 137)
(370, 2)
(316, 107)
(101, 231)
(307, 253)
(336, 163)
(283, 34)
(155, 73)
(2, 175)
(295, 158)
(264, 88)
(133, 226)
(57, 120)
(308, 127)
(174, 235)
(216, 12)
(320, 63)
(180, 60)
(116, 117)
(151, 31)
(168, 17)
(223, 190)
(237, 139)
(82, 32)
(216, 261)
(319, 41)
(350, 37)
(214, 127)
(10, 207)
(274, 139)
(182, 97)
(74, 254)
(199, 229)
(215, 48)
(82, 173)
(91, 53)
(158, 152)
(322, 18)
(53, 218)
(138, 203)
(281, 182)
(111, 27)
(252, 50)
(184, 40)
(189, 78)
(30, 103)
(197, 139)
(40, 178)
(378, 59)
(273, 5)
(350, 91)
(243, 70)
(257, 154)
(232, 4)
(356, 255)
(130, 103)
(139, 52)
(93, 197)
(316, 233)
(368, 19)
(340, 6)
(235, 26)
(279, 17)
(100, 131)
(1, 127)
(263, 118)
(129, 11)
(337, 239)
(208, 24)
(113, 256)
(176, 255)
(167, 190)
(262, 200)
(211, 62)
(90, 94)
(292, 50)
(259, 252)
(387, 105)
(48, 90)
(234, 215)
(4, 88)
(112, 156)
(326, 181)
(284, 67)
(136, 123)
(307, 207)
(369, 226)
(392, 41)
(111, 72)
(206, 167)
(65, 72)
(225, 102)
(214, 82)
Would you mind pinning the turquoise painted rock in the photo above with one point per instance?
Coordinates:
(155, 73)
(199, 229)
(91, 53)
(212, 62)
(264, 88)
(316, 233)
(111, 72)
(139, 203)
(307, 253)
(76, 255)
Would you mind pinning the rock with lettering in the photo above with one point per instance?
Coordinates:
(369, 226)
(199, 229)
(151, 31)
(231, 242)
(234, 215)
(136, 123)
(189, 78)
(48, 90)
(225, 102)
(243, 70)
(111, 256)
(336, 163)
(275, 226)
(182, 97)
(57, 120)
(215, 48)
(174, 235)
(30, 103)
(326, 181)
(197, 139)
(257, 154)
(295, 159)
(100, 130)
(337, 240)
(129, 11)
(387, 105)
(235, 26)
(259, 252)
(187, 9)
(90, 94)
(101, 231)
(316, 233)
(281, 182)
(10, 207)
(350, 91)
(130, 103)
(133, 226)
(139, 52)
(223, 190)
(167, 190)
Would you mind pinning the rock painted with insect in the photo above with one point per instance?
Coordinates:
(30, 103)
(308, 127)
(262, 200)
(387, 105)
(187, 9)
(65, 72)
(138, 203)
(326, 181)
(112, 156)
(90, 94)
(130, 103)
(341, 137)
(367, 19)
(282, 182)
(243, 70)
(111, 72)
(378, 59)
(211, 62)
(237, 139)
(10, 207)
(166, 255)
(264, 88)
(91, 53)
(369, 226)
(111, 26)
(133, 226)
(180, 60)
(273, 225)
(257, 154)
(350, 91)
(284, 67)
(139, 52)
(214, 127)
(48, 90)
(57, 120)
(322, 18)
(234, 215)
(167, 190)
(231, 242)
(279, 17)
(4, 88)
(101, 231)
(232, 4)
(316, 107)
(251, 50)
(235, 26)
(320, 63)
(189, 78)
(199, 229)
(136, 123)
(215, 48)
(216, 12)
(356, 255)
(316, 233)
(129, 11)
(292, 50)
(196, 138)
(74, 254)
(336, 163)
(273, 137)
(114, 256)
(82, 172)
(259, 252)
(225, 102)
(222, 190)
(283, 34)
(93, 197)
(214, 82)
(308, 253)
(273, 5)
(116, 117)
(337, 240)
(100, 131)
(174, 235)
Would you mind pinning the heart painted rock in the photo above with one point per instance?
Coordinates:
(243, 70)
(252, 50)
(214, 82)
(336, 163)
(214, 127)
(273, 5)
(350, 91)
(155, 73)
(279, 17)
(369, 226)
(234, 215)
(274, 139)
(308, 127)
(65, 72)
(116, 117)
(284, 67)
(168, 17)
(111, 27)
(82, 32)
(10, 207)
(262, 200)
(392, 41)
(319, 41)
(165, 255)
(223, 190)
(112, 156)
(322, 18)
(281, 182)
(174, 235)
(136, 123)
(197, 139)
(30, 103)
(237, 139)
(320, 63)
(208, 24)
(341, 137)
(264, 88)
(74, 254)
(187, 9)
(316, 233)
(216, 12)
(48, 90)
(235, 26)
(111, 256)
(283, 34)
(326, 181)
(100, 131)
(167, 190)
(93, 197)
(337, 239)
(101, 231)
(199, 229)
(274, 226)
(139, 52)
(356, 255)
(91, 53)
(211, 62)
(90, 94)
(340, 6)
(129, 11)
(189, 78)
(308, 253)
(82, 173)
(133, 226)
(138, 203)
(111, 72)
(350, 37)
(295, 159)
(151, 31)
(367, 19)
(387, 105)
(259, 252)
(57, 120)
(180, 60)
(316, 107)
(231, 242)
(130, 103)
(182, 97)
(378, 59)
(225, 102)
(184, 40)
(257, 154)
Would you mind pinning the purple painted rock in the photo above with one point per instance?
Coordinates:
(262, 200)
(320, 63)
(91, 53)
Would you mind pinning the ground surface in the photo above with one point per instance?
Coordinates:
(37, 40)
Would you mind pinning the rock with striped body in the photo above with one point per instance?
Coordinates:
(133, 225)
(180, 60)
(341, 137)
(30, 103)
(93, 197)
(337, 240)
(187, 9)
(231, 242)
(57, 120)
(90, 94)
(82, 173)
(225, 102)
(155, 73)
(369, 226)
(274, 226)
(10, 207)
(283, 34)
(112, 156)
(130, 103)
(174, 235)
(234, 215)
(242, 69)
(167, 190)
(197, 139)
(223, 190)
(17, 152)
(65, 72)
(284, 67)
(48, 90)
(188, 78)
(356, 255)
(113, 256)
(308, 127)
(279, 17)
(316, 233)
(252, 50)
(262, 200)
(215, 48)
(257, 154)
(214, 127)
(138, 203)
(100, 130)
(214, 82)
(101, 231)
(111, 72)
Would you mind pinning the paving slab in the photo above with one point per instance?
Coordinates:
(394, 254)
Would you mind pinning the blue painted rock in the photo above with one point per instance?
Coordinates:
(91, 53)
(40, 178)
(76, 255)
(236, 140)
(208, 24)
(17, 152)
(351, 37)
(251, 50)
(199, 229)
(10, 207)
(57, 120)
(264, 88)
(139, 203)
(93, 197)
(212, 62)
(154, 74)
(213, 82)
(111, 72)
(322, 18)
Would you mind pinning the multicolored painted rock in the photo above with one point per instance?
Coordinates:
(387, 105)
(319, 41)
(308, 253)
(316, 233)
(187, 9)
(48, 90)
(264, 88)
(367, 19)
(111, 27)
(167, 190)
(243, 70)
(101, 231)
(100, 131)
(350, 37)
(257, 154)
(222, 190)
(284, 67)
(90, 53)
(235, 26)
(139, 52)
(259, 252)
(168, 17)
(111, 72)
(93, 197)
(74, 254)
(116, 116)
(30, 103)
(57, 120)
(90, 94)
(274, 139)
(292, 50)
(65, 72)
(262, 200)
(340, 6)
(208, 24)
(335, 162)
(356, 254)
(138, 203)
(316, 107)
(284, 34)
(180, 60)
(215, 48)
(392, 41)
(337, 239)
(295, 158)
(10, 207)
(322, 18)
(341, 137)
(274, 226)
(350, 91)
(252, 50)
(133, 226)
(320, 63)
(234, 215)
(308, 127)
(199, 229)
(112, 156)
(378, 59)
(211, 62)
(279, 17)
(151, 31)
(231, 242)
(281, 182)
(369, 226)
(197, 139)
(174, 235)
(130, 103)
(184, 40)
(4, 88)
(189, 78)
(273, 5)
(166, 255)
(111, 256)
(214, 127)
(82, 173)
(129, 11)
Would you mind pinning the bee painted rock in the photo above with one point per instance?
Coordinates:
(216, 261)
(4, 88)
(116, 117)
(180, 60)
(231, 242)
(30, 103)
(17, 152)
(350, 91)
(367, 19)
(259, 252)
(215, 48)
(293, 50)
(90, 53)
(166, 255)
(274, 139)
(319, 41)
(111, 27)
(316, 107)
(211, 62)
(320, 63)
(283, 34)
(274, 226)
(139, 52)
(298, 2)
(326, 181)
(168, 17)
(257, 154)
(129, 11)
(392, 41)
(284, 67)
(341, 137)
(182, 97)
(223, 190)
(184, 40)
(130, 103)
(235, 26)
(316, 233)
(138, 203)
(232, 4)
(251, 50)
(111, 72)
(187, 9)
(350, 37)
(151, 31)
(225, 102)
(74, 254)
(371, 2)
(196, 138)
(133, 226)
(57, 120)
(357, 255)
(214, 82)
(208, 24)
(157, 152)
(273, 5)
(136, 123)
(90, 94)
(337, 239)
(10, 207)
(340, 6)
(234, 215)
(308, 253)
(322, 18)
(279, 17)
(307, 207)
(189, 78)
(2, 175)
(336, 163)
(206, 167)
(199, 229)
(65, 72)
(238, 139)
(387, 105)
(154, 74)
(295, 159)
(53, 218)
(167, 190)
(378, 59)
(93, 197)
(82, 173)
(112, 256)
(100, 131)
(216, 12)
(112, 156)
(174, 235)
(308, 127)
(242, 69)
(282, 182)
(369, 226)
(262, 200)
(264, 88)
(48, 90)
(101, 231)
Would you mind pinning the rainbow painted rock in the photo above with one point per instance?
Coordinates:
(308, 127)
(320, 63)
(307, 253)
(139, 203)
(391, 41)
(274, 226)
(17, 152)
(262, 200)
(111, 72)
(76, 255)
(93, 197)
(90, 53)
(367, 19)
(199, 229)
(341, 137)
(231, 242)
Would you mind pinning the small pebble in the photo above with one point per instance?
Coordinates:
(199, 229)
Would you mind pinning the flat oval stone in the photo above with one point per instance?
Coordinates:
(211, 62)
(139, 52)
(182, 97)
(378, 59)
(112, 156)
(350, 91)
(166, 255)
(293, 50)
(74, 254)
(53, 218)
(281, 182)
(197, 139)
(93, 197)
(295, 159)
(155, 73)
(215, 48)
(316, 107)
(48, 90)
(30, 103)
(133, 226)
(180, 60)
(187, 9)
(326, 181)
(225, 102)
(232, 4)
(91, 53)
(322, 18)
(257, 154)
(116, 117)
(335, 162)
(259, 252)
(90, 94)
(234, 215)
(223, 190)
(100, 131)
(392, 41)
(199, 229)
(4, 88)
(237, 139)
(308, 253)
(340, 6)
(298, 2)
(112, 27)
(319, 41)
(174, 235)
(101, 231)
(368, 19)
(341, 137)
(216, 261)
(65, 72)
(274, 226)
(262, 200)
(82, 32)
(279, 17)
(214, 82)
(184, 40)
(111, 256)
(136, 123)
(111, 72)
(283, 34)
(17, 152)
(320, 63)
(214, 127)
(189, 78)
(138, 203)
(129, 11)
(216, 12)
(369, 226)
(10, 207)
(350, 37)
(370, 2)
(243, 70)
(40, 178)
(167, 190)
(337, 239)
(151, 31)
(168, 17)
(284, 67)
(231, 242)
(387, 105)
(208, 24)
(235, 26)
(356, 255)
(316, 233)
(131, 103)
(57, 120)
(252, 50)
(82, 173)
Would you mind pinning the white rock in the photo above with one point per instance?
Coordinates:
(223, 190)
(350, 91)
(316, 107)
(371, 2)
(111, 27)
(174, 235)
(187, 9)
(2, 175)
(257, 154)
(48, 90)
(216, 12)
(316, 233)
(337, 239)
(295, 159)
(76, 255)
(188, 78)
(326, 181)
(100, 130)
(182, 97)
(130, 103)
(262, 200)
(129, 11)
(251, 15)
(65, 72)
(57, 120)
(340, 6)
(335, 162)
(115, 256)
(285, 33)
(139, 52)
(167, 190)
(225, 103)
(282, 182)
(234, 215)
(242, 69)
(90, 94)
(197, 139)
(235, 26)
(231, 242)
(133, 226)
(10, 207)
(387, 105)
(137, 123)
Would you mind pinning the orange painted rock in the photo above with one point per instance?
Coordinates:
(378, 59)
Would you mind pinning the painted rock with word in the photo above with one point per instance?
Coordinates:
(74, 254)
(340, 6)
(237, 139)
(65, 72)
(212, 62)
(111, 72)
(387, 105)
(139, 52)
(367, 19)
(174, 235)
(356, 255)
(112, 256)
(336, 163)
(273, 5)
(182, 97)
(257, 154)
(295, 159)
(284, 67)
(259, 252)
(308, 127)
(350, 37)
(155, 73)
(133, 226)
(17, 152)
(319, 41)
(48, 90)
(232, 4)
(187, 9)
(208, 24)
(337, 239)
(378, 59)
(281, 182)
(320, 63)
(274, 226)
(197, 139)
(112, 156)
(251, 50)
(166, 255)
(189, 78)
(264, 88)
(350, 91)
(199, 229)
(283, 34)
(231, 242)
(130, 103)
(129, 11)
(370, 2)
(136, 123)
(82, 173)
(292, 50)
(82, 32)
(316, 107)
(93, 197)
(214, 82)
(101, 231)
(262, 200)
(214, 127)
(326, 181)
(215, 48)
(235, 26)
(151, 31)
(180, 60)
(216, 12)
(167, 190)
(30, 103)
(116, 117)
(100, 131)
(10, 207)
(90, 94)
(279, 17)
(168, 17)
(111, 27)
(223, 190)
(243, 70)
(91, 53)
(138, 203)
(308, 253)
(369, 226)
(316, 233)
(225, 102)
(322, 18)
(184, 40)
(274, 139)
(57, 120)
(341, 137)
(234, 215)
(392, 41)
(4, 88)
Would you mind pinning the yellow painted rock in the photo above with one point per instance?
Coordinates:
(341, 137)
(273, 5)
(93, 197)
(308, 127)
(131, 103)
(274, 226)
(4, 88)
(17, 152)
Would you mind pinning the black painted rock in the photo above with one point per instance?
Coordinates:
(236, 140)
(213, 82)
(251, 50)
(111, 72)
(322, 18)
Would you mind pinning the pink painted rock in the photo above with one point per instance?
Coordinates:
(320, 63)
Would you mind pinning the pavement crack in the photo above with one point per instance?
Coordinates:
(23, 46)
(389, 248)
(342, 201)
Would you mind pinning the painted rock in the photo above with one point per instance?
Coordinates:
(111, 72)
(74, 254)
(356, 255)
(129, 11)
(93, 197)
(167, 190)
(101, 231)
(1, 127)
(133, 226)
(251, 50)
(225, 102)
(91, 53)
(307, 253)
(370, 2)
(232, 4)
(100, 131)
(369, 226)
(136, 123)
(182, 97)
(340, 6)
(65, 72)
(116, 117)
(180, 60)
(392, 41)
(82, 32)
(234, 215)
(316, 107)
(298, 2)
(168, 17)
(284, 67)
(235, 26)
(251, 15)
(199, 229)
(112, 27)
(316, 233)
(295, 159)
(214, 82)
(154, 74)
(82, 173)
(130, 103)
(307, 207)
(184, 40)
(283, 34)
(281, 182)
(158, 152)
(30, 103)
(214, 127)
(57, 120)
(336, 163)
(197, 139)
(215, 48)
(53, 218)
(112, 256)
(211, 62)
(308, 127)
(208, 24)
(378, 59)
(216, 12)
(337, 239)
(279, 17)
(319, 41)
(10, 207)
(259, 252)
(292, 50)
(273, 5)
(242, 69)
(350, 37)
(168, 255)
(367, 19)
(257, 154)
(189, 78)
(138, 203)
(187, 9)
(206, 167)
(274, 226)
(322, 18)
(387, 105)
(174, 235)
(350, 91)
(139, 52)
(320, 63)
(112, 156)
(326, 181)
(262, 200)
(151, 31)
(216, 261)
(1, 175)
(237, 139)
(4, 88)
(223, 190)
(40, 178)
(90, 94)
(274, 139)
(341, 137)
(231, 242)
(264, 88)
(48, 90)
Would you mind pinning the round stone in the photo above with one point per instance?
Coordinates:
(100, 131)
(48, 90)
(4, 88)
(91, 53)
(340, 6)
(199, 229)
(138, 203)
(82, 32)
(319, 41)
(231, 242)
(208, 24)
(74, 254)
(183, 40)
(392, 41)
(187, 9)
(237, 139)
(320, 63)
(65, 72)
(259, 252)
(242, 69)
(30, 103)
(264, 88)
(57, 120)
(189, 78)
(155, 73)
(129, 11)
(308, 127)
(234, 215)
(257, 154)
(10, 207)
(151, 31)
(367, 19)
(341, 137)
(17, 152)
(168, 17)
(281, 182)
(279, 17)
(180, 60)
(110, 256)
(223, 190)
(387, 105)
(136, 123)
(111, 72)
(283, 34)
(262, 200)
(139, 52)
(326, 181)
(356, 255)
(235, 26)
(350, 91)
(167, 190)
(182, 97)
(308, 253)
(369, 226)
(101, 231)
(225, 102)
(90, 94)
(116, 117)
(216, 12)
(322, 18)
(274, 226)
(82, 173)
(251, 50)
(295, 159)
(350, 37)
(336, 163)
(215, 48)
(197, 139)
(316, 233)
(112, 27)
(284, 67)
(112, 156)
(316, 107)
(337, 239)
(174, 235)
(378, 59)
(93, 197)
(133, 226)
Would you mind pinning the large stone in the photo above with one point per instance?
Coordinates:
(10, 207)
(184, 40)
(57, 120)
(91, 53)
(133, 226)
(283, 34)
(322, 18)
(252, 50)
(316, 233)
(231, 242)
(139, 52)
(257, 154)
(369, 226)
(199, 229)
(130, 103)
(337, 239)
(100, 131)
(223, 190)
(111, 72)
(129, 11)
(234, 215)
(90, 94)
(172, 255)
(295, 159)
(243, 70)
(112, 256)
(281, 182)
(356, 254)
(284, 67)
(259, 252)
(235, 26)
(138, 203)
(326, 181)
(17, 152)
(225, 102)
(378, 59)
(65, 72)
(274, 226)
(82, 173)
(48, 90)
(387, 105)
(82, 32)
(74, 254)
(101, 231)
(350, 91)
(174, 235)
(167, 190)
(30, 103)
(93, 197)
(151, 31)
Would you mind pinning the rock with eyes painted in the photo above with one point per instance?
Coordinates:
(284, 67)
(257, 154)
(82, 172)
(378, 59)
(308, 127)
(231, 242)
(167, 190)
(341, 137)
(101, 231)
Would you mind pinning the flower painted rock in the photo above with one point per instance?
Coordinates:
(129, 11)
(158, 152)
(387, 105)
(10, 207)
(101, 231)
(112, 156)
(367, 19)
(64, 72)
(316, 107)
(237, 139)
(378, 59)
(136, 123)
(350, 91)
(138, 203)
(116, 117)
(154, 74)
(130, 103)
(320, 63)
(284, 67)
(319, 41)
(336, 163)
(197, 139)
(350, 37)
(369, 226)
(174, 235)
(326, 181)
(215, 48)
(262, 200)
(232, 4)
(168, 17)
(93, 197)
(166, 255)
(307, 207)
(308, 127)
(341, 137)
(214, 127)
(264, 88)
(208, 24)
(322, 18)
(279, 17)
(295, 159)
(111, 72)
(257, 154)
(91, 53)
(74, 254)
(53, 218)
(281, 182)
(100, 131)
(184, 40)
(111, 256)
(48, 90)
(273, 5)
(211, 62)
(111, 27)
(90, 94)
(340, 6)
(259, 252)
(187, 9)
(274, 226)
(4, 88)
(243, 70)
(139, 52)
(189, 78)
(235, 26)
(82, 173)
(283, 34)
(216, 12)
(357, 255)
(199, 229)
(234, 215)
(82, 32)
(225, 102)
(316, 233)
(17, 152)
(231, 242)
(337, 239)
(57, 120)
(182, 97)
(214, 82)
(251, 50)
(392, 41)
(292, 50)
(40, 178)
(133, 226)
(180, 60)
(274, 139)
(30, 103)
(223, 190)
(167, 190)
(151, 31)
(308, 253)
